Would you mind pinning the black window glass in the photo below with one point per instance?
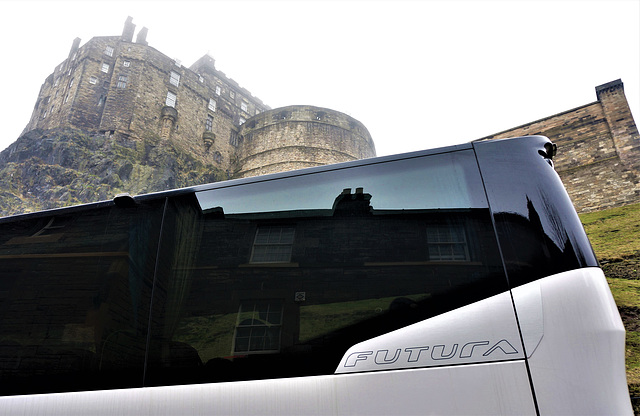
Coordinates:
(74, 299)
(279, 278)
(538, 229)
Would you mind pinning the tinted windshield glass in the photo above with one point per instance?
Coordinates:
(279, 278)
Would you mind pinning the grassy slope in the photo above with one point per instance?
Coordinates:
(615, 236)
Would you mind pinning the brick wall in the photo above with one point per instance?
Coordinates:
(598, 149)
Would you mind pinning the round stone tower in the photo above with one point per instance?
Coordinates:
(300, 136)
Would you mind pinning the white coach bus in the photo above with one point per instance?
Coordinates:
(449, 281)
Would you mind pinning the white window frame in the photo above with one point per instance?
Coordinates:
(104, 68)
(174, 78)
(212, 104)
(108, 50)
(93, 80)
(218, 90)
(232, 94)
(122, 81)
(250, 327)
(273, 244)
(208, 124)
(171, 99)
(126, 64)
(447, 242)
(244, 107)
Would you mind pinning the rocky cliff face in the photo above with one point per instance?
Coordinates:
(47, 169)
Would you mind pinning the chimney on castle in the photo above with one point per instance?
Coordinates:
(74, 48)
(204, 64)
(129, 28)
(142, 37)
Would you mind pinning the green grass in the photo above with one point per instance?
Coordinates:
(625, 292)
(614, 232)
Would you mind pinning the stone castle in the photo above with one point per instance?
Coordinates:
(128, 89)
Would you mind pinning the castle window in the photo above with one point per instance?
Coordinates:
(241, 121)
(218, 90)
(200, 78)
(55, 83)
(233, 139)
(174, 79)
(217, 157)
(101, 101)
(257, 111)
(244, 107)
(93, 80)
(212, 104)
(66, 98)
(273, 244)
(71, 83)
(126, 64)
(44, 113)
(69, 73)
(108, 51)
(171, 99)
(74, 56)
(208, 125)
(122, 81)
(232, 94)
(104, 68)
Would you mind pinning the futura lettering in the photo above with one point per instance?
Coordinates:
(425, 354)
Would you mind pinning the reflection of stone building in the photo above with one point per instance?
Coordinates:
(115, 86)
(249, 296)
(598, 149)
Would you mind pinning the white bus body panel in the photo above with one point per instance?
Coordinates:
(572, 332)
(578, 366)
(482, 389)
(483, 331)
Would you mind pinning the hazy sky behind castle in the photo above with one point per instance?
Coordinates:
(418, 74)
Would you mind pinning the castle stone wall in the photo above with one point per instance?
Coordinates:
(598, 156)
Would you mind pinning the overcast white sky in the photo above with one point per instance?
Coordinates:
(418, 74)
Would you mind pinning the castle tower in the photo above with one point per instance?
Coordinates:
(300, 136)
